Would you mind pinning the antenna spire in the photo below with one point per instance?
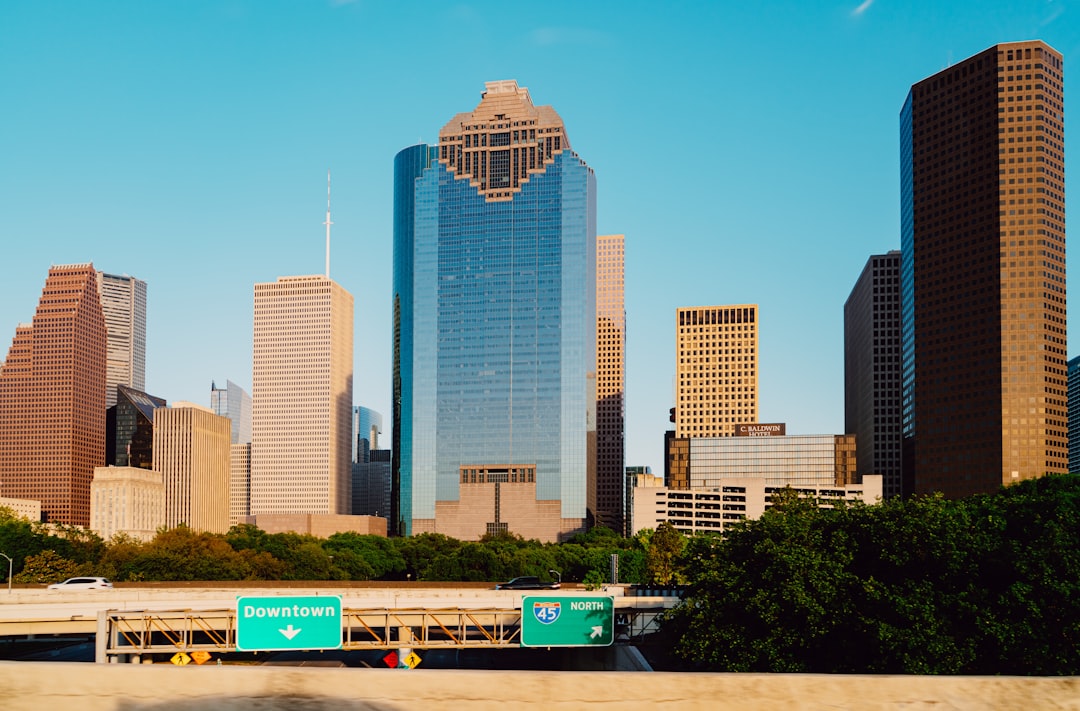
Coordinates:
(328, 223)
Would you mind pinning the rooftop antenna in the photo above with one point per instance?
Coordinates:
(328, 223)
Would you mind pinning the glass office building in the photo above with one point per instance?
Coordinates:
(129, 428)
(494, 310)
(1074, 415)
(788, 460)
(367, 426)
(232, 401)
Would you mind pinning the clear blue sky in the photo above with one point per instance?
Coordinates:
(748, 151)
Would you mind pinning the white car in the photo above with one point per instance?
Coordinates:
(82, 584)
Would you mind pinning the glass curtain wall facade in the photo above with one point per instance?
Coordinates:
(233, 402)
(494, 316)
(907, 305)
(129, 429)
(1074, 415)
(367, 426)
(795, 460)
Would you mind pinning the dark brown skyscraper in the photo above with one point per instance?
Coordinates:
(872, 369)
(983, 272)
(52, 399)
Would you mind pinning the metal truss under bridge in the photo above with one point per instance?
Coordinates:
(138, 632)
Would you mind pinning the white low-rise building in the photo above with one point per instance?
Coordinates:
(713, 509)
(29, 509)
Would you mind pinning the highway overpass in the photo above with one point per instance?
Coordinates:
(133, 623)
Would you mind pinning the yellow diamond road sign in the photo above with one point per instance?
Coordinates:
(180, 659)
(412, 660)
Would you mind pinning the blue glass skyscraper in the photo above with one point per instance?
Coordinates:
(494, 317)
(1074, 415)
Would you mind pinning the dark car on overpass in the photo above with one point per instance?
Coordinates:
(527, 582)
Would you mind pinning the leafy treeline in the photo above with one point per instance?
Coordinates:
(984, 585)
(44, 555)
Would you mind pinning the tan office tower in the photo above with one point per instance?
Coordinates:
(240, 483)
(608, 492)
(52, 399)
(302, 397)
(983, 272)
(716, 370)
(123, 302)
(191, 452)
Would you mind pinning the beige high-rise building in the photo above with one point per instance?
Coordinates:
(302, 397)
(716, 370)
(127, 500)
(123, 303)
(606, 494)
(191, 452)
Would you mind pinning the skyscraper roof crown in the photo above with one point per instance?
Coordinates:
(502, 141)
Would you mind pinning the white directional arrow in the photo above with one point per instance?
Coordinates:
(596, 631)
(290, 632)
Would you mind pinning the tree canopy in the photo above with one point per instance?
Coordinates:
(984, 585)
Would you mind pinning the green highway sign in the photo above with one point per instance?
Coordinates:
(270, 624)
(567, 621)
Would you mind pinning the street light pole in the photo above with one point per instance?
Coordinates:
(8, 572)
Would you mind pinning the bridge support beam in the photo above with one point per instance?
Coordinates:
(405, 636)
(101, 639)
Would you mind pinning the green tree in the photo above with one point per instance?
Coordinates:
(182, 554)
(570, 560)
(310, 562)
(262, 566)
(473, 562)
(118, 561)
(18, 540)
(46, 567)
(984, 585)
(78, 544)
(297, 552)
(422, 551)
(601, 536)
(365, 557)
(246, 536)
(632, 566)
(665, 546)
